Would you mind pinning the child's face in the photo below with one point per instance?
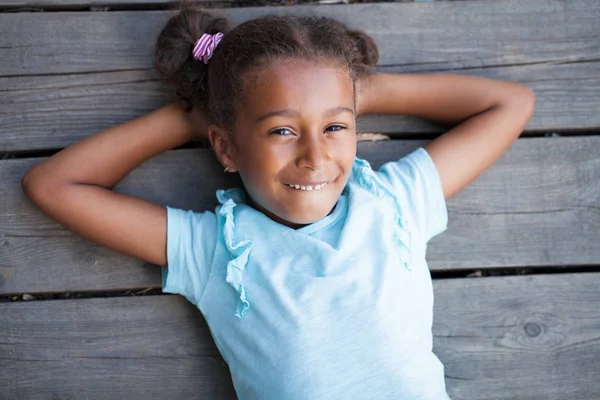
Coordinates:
(296, 126)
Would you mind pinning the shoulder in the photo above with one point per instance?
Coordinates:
(413, 168)
(415, 186)
(178, 218)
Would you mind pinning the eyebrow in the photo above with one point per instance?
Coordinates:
(293, 113)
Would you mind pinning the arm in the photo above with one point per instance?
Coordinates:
(74, 186)
(491, 116)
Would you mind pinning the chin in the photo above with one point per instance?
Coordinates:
(296, 212)
(305, 220)
(307, 211)
(306, 216)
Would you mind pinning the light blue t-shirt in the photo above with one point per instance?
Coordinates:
(339, 309)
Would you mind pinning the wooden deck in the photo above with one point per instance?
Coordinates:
(65, 75)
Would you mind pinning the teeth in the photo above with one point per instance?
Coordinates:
(308, 188)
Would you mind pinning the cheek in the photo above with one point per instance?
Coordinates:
(274, 159)
(260, 163)
(345, 154)
(345, 150)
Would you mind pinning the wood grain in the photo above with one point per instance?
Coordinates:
(519, 337)
(499, 338)
(98, 4)
(55, 111)
(418, 36)
(537, 206)
(154, 347)
(64, 76)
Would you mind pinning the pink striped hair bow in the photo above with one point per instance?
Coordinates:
(205, 46)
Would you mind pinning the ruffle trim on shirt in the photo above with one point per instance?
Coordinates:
(364, 175)
(239, 251)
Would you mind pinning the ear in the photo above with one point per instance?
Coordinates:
(223, 146)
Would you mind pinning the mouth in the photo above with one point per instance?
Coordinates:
(307, 187)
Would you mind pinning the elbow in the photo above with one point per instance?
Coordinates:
(527, 101)
(523, 99)
(30, 186)
(34, 185)
(27, 183)
(527, 105)
(520, 103)
(44, 195)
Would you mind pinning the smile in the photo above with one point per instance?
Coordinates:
(307, 187)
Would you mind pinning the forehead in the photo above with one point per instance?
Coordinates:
(307, 86)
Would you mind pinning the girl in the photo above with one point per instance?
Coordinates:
(312, 277)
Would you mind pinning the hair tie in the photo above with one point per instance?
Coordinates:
(205, 46)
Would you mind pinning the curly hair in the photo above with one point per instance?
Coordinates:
(216, 87)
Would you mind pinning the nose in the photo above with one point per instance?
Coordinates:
(314, 152)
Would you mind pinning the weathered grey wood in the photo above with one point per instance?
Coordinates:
(519, 337)
(420, 36)
(537, 206)
(55, 111)
(76, 4)
(547, 45)
(532, 337)
(154, 347)
(44, 112)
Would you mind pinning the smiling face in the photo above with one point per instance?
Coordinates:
(294, 139)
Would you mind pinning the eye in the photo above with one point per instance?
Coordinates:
(335, 128)
(281, 132)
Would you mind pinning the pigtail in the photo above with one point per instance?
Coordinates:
(367, 51)
(174, 60)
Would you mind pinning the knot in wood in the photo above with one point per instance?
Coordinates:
(90, 258)
(536, 331)
(532, 329)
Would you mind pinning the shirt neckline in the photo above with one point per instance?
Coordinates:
(327, 220)
(238, 196)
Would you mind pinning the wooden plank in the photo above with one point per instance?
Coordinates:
(532, 337)
(55, 111)
(420, 36)
(50, 112)
(154, 347)
(546, 45)
(520, 337)
(537, 206)
(110, 4)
